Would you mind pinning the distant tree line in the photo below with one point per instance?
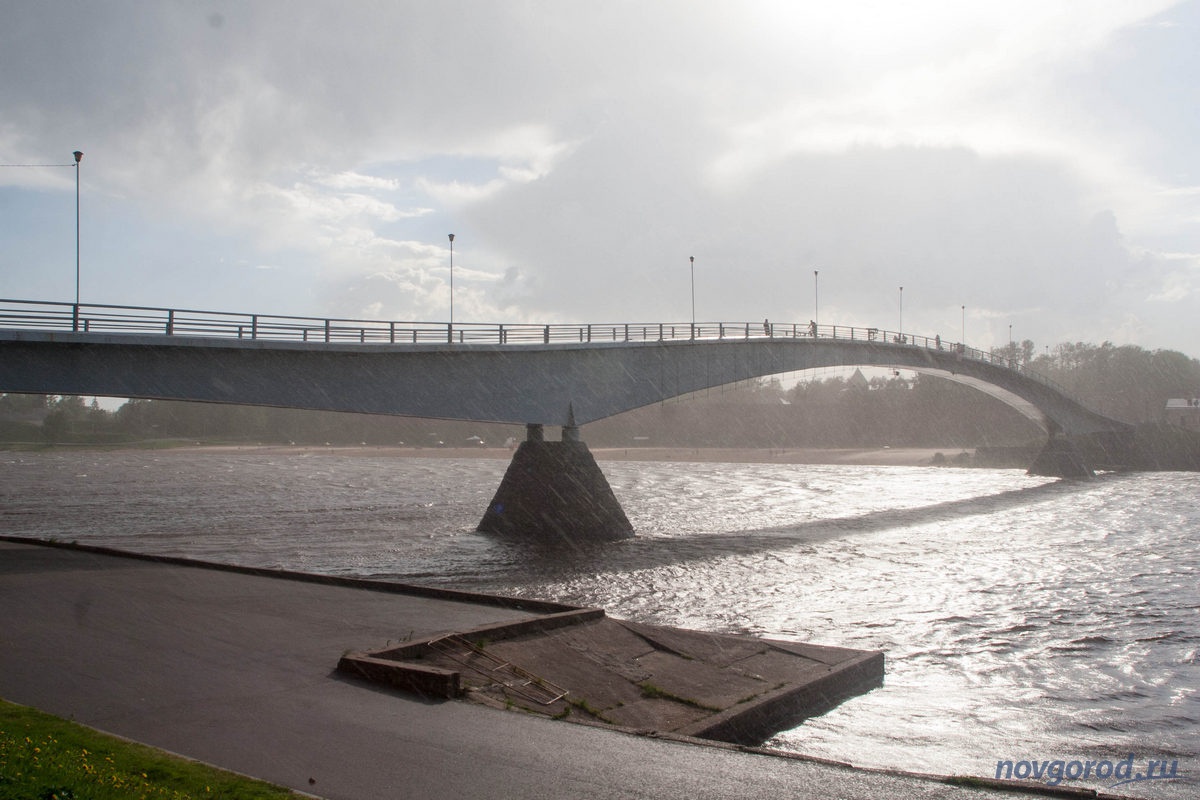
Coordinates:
(51, 418)
(1128, 383)
(894, 409)
(62, 420)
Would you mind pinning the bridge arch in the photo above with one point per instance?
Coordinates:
(509, 383)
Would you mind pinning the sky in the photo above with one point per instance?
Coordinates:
(1023, 168)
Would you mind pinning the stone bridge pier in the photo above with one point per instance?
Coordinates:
(555, 491)
(1061, 457)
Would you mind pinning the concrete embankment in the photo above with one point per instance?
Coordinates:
(583, 666)
(235, 668)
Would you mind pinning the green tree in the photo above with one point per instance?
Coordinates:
(22, 404)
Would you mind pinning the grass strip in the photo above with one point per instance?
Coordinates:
(658, 693)
(43, 757)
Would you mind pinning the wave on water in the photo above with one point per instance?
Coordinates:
(1019, 615)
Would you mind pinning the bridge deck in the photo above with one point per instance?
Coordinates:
(521, 373)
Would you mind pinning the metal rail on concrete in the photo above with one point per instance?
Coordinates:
(107, 319)
(497, 671)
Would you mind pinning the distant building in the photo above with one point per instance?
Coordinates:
(858, 380)
(1184, 412)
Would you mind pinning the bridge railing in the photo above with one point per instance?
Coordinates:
(106, 319)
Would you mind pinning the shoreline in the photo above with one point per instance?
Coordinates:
(885, 456)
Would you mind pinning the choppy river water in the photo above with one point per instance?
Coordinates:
(1023, 619)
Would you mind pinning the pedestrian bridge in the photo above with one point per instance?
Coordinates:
(532, 374)
(538, 375)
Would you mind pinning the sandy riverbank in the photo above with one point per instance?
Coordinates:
(893, 456)
(888, 456)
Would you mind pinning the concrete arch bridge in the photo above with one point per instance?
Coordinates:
(537, 375)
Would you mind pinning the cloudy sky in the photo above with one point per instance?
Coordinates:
(1033, 161)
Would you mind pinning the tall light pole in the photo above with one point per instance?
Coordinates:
(78, 157)
(75, 317)
(816, 299)
(452, 282)
(901, 331)
(692, 261)
(963, 338)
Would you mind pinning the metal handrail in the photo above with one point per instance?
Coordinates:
(95, 318)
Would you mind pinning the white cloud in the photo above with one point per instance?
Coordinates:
(347, 181)
(979, 153)
(457, 193)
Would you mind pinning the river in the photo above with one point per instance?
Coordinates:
(1024, 619)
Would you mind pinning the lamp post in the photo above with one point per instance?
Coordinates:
(78, 157)
(452, 286)
(816, 299)
(901, 331)
(75, 317)
(692, 262)
(963, 338)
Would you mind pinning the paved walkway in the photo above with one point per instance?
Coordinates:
(237, 670)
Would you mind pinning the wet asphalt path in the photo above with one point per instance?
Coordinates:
(238, 670)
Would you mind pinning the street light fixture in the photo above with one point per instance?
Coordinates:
(816, 300)
(901, 331)
(78, 157)
(963, 339)
(452, 284)
(75, 317)
(692, 262)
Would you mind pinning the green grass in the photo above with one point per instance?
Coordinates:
(47, 758)
(583, 705)
(658, 693)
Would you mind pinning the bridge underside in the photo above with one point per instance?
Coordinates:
(484, 383)
(565, 384)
